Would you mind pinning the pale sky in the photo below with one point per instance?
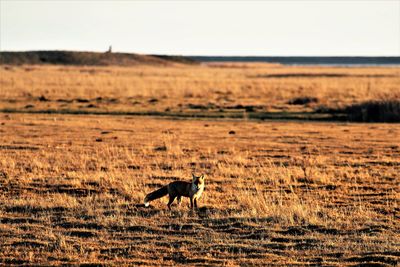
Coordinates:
(257, 28)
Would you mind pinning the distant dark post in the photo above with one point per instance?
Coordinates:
(109, 49)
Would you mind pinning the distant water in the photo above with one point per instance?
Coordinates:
(322, 61)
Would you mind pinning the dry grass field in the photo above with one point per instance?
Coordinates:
(236, 90)
(283, 193)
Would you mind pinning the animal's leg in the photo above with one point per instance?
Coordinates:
(171, 199)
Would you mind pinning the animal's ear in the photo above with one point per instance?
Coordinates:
(202, 177)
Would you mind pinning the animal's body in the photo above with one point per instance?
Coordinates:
(179, 189)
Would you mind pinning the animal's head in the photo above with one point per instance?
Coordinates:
(198, 181)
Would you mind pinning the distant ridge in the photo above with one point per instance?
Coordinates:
(129, 59)
(88, 58)
(303, 60)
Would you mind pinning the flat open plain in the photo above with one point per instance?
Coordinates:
(277, 192)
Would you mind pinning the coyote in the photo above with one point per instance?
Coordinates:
(179, 189)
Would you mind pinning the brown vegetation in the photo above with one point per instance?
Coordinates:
(277, 192)
(282, 193)
(375, 111)
(259, 91)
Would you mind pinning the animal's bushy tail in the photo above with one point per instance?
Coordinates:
(163, 191)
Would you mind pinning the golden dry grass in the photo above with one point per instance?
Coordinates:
(184, 89)
(277, 193)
